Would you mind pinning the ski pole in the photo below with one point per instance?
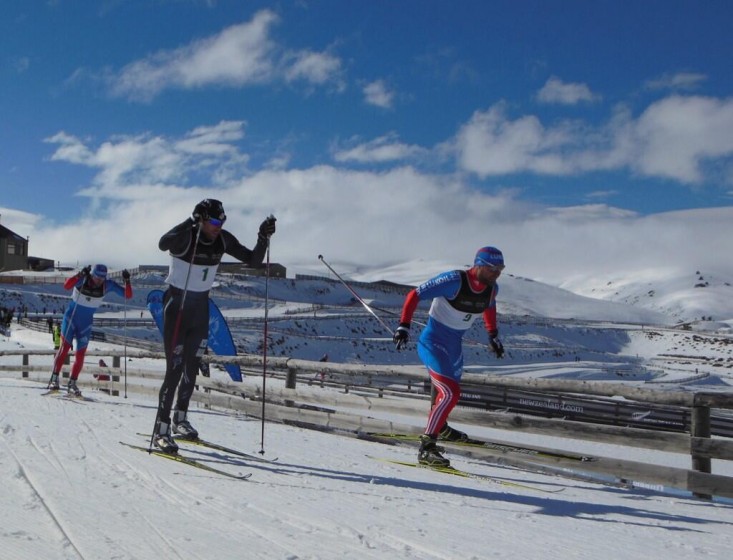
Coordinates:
(174, 339)
(370, 309)
(357, 296)
(264, 345)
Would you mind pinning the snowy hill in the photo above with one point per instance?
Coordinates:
(582, 337)
(680, 298)
(696, 296)
(523, 296)
(647, 297)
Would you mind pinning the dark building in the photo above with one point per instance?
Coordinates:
(276, 270)
(40, 264)
(13, 250)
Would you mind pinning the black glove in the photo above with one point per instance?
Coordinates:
(86, 271)
(267, 228)
(126, 276)
(200, 213)
(496, 346)
(401, 336)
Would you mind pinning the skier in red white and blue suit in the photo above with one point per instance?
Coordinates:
(459, 297)
(89, 286)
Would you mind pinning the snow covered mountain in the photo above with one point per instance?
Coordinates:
(697, 296)
(582, 337)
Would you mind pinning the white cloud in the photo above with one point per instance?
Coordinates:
(376, 219)
(557, 91)
(378, 94)
(602, 194)
(491, 144)
(386, 148)
(313, 67)
(677, 138)
(678, 81)
(238, 56)
(18, 221)
(146, 159)
(70, 148)
(587, 213)
(214, 140)
(145, 184)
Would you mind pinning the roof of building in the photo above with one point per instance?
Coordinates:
(5, 233)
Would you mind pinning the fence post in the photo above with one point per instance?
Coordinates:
(25, 363)
(290, 378)
(700, 427)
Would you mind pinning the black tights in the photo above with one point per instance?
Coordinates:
(185, 338)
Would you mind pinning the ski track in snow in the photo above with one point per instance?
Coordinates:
(78, 493)
(282, 531)
(35, 500)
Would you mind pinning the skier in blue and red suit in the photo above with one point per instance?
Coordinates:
(459, 298)
(89, 286)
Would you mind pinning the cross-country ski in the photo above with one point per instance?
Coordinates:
(465, 474)
(498, 446)
(187, 460)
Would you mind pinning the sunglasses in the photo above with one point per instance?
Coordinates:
(497, 267)
(216, 223)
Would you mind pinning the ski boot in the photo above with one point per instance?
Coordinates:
(430, 453)
(204, 369)
(53, 385)
(72, 389)
(182, 426)
(163, 439)
(451, 434)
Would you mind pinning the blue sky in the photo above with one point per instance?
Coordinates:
(579, 137)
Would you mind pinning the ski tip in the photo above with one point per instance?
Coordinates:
(320, 257)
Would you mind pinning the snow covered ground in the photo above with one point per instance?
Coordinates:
(72, 491)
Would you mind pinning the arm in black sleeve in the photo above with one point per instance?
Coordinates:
(252, 257)
(177, 239)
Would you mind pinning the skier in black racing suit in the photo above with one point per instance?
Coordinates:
(196, 248)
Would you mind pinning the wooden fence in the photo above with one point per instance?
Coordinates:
(384, 389)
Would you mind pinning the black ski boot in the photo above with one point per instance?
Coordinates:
(72, 389)
(53, 385)
(163, 439)
(182, 426)
(430, 453)
(204, 369)
(451, 434)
